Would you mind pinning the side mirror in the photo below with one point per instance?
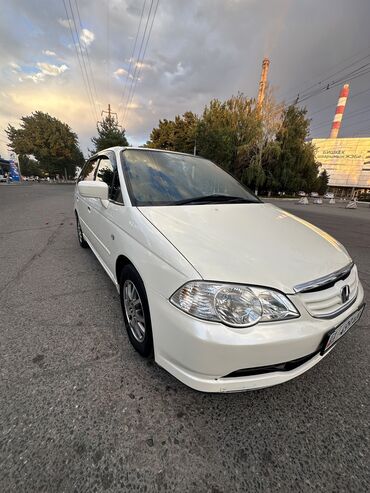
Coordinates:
(93, 189)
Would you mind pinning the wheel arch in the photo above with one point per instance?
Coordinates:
(121, 262)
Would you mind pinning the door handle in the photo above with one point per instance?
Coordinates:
(89, 208)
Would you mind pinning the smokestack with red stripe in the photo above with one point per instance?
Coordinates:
(337, 122)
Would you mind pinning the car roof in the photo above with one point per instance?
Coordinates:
(123, 148)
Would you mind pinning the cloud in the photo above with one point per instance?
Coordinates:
(49, 69)
(143, 65)
(45, 69)
(120, 72)
(64, 22)
(133, 106)
(49, 53)
(16, 68)
(36, 78)
(87, 37)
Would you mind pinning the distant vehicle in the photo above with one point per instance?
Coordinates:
(314, 194)
(302, 194)
(163, 224)
(329, 195)
(2, 174)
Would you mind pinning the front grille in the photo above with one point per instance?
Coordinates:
(327, 302)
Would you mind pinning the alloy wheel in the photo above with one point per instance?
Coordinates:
(134, 310)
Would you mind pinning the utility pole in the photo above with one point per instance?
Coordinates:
(110, 113)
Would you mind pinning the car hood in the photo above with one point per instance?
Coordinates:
(249, 243)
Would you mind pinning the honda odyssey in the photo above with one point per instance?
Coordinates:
(226, 292)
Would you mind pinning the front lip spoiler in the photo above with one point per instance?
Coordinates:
(321, 281)
(278, 367)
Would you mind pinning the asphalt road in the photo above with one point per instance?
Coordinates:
(81, 411)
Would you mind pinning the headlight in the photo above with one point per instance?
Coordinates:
(233, 304)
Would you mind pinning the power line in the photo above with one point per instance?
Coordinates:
(322, 81)
(138, 59)
(88, 57)
(83, 59)
(352, 96)
(349, 117)
(347, 78)
(108, 48)
(325, 83)
(143, 57)
(79, 61)
(362, 121)
(131, 59)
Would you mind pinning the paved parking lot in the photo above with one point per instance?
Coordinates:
(81, 411)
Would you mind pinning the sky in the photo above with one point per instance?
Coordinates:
(198, 50)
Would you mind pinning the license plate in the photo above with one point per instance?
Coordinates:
(335, 334)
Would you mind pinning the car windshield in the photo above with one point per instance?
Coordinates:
(166, 178)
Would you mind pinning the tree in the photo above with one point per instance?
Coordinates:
(50, 141)
(30, 167)
(224, 129)
(293, 168)
(177, 135)
(255, 162)
(266, 148)
(109, 135)
(322, 182)
(228, 131)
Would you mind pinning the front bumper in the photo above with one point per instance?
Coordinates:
(203, 354)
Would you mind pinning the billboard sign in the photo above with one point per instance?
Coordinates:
(347, 161)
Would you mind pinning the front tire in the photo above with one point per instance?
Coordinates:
(135, 309)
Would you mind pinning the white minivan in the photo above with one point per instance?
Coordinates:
(226, 292)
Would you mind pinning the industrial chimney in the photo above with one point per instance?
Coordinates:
(337, 122)
(263, 81)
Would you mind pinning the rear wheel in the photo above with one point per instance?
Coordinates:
(80, 235)
(135, 310)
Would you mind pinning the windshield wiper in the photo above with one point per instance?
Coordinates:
(215, 199)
